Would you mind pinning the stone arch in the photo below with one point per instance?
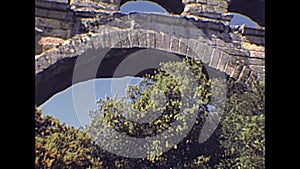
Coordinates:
(54, 68)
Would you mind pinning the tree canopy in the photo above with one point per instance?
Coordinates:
(158, 125)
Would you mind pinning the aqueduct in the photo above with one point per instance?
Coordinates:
(67, 30)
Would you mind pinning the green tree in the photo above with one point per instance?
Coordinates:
(242, 134)
(58, 146)
(174, 92)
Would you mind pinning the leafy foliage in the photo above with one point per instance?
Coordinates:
(165, 97)
(59, 146)
(174, 92)
(243, 131)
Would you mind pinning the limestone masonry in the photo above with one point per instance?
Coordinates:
(66, 29)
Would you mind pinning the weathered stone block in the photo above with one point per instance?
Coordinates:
(212, 2)
(60, 15)
(215, 57)
(49, 42)
(244, 74)
(217, 26)
(257, 68)
(96, 41)
(164, 42)
(209, 9)
(41, 12)
(202, 1)
(198, 49)
(238, 64)
(194, 8)
(174, 44)
(60, 33)
(189, 1)
(206, 55)
(41, 63)
(151, 39)
(183, 45)
(191, 45)
(253, 47)
(255, 39)
(58, 1)
(203, 8)
(106, 40)
(231, 66)
(256, 61)
(229, 70)
(125, 43)
(53, 23)
(120, 36)
(211, 15)
(254, 31)
(235, 36)
(227, 17)
(142, 38)
(223, 4)
(224, 58)
(133, 39)
(260, 76)
(111, 1)
(219, 9)
(158, 42)
(191, 53)
(257, 54)
(54, 5)
(119, 39)
(237, 44)
(219, 42)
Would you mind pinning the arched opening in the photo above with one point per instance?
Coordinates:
(240, 19)
(255, 9)
(107, 83)
(110, 81)
(174, 6)
(142, 7)
(61, 105)
(61, 70)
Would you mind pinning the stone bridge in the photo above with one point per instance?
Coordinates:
(67, 30)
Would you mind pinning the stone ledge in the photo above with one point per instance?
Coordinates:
(53, 23)
(54, 14)
(54, 1)
(52, 5)
(246, 30)
(77, 4)
(254, 31)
